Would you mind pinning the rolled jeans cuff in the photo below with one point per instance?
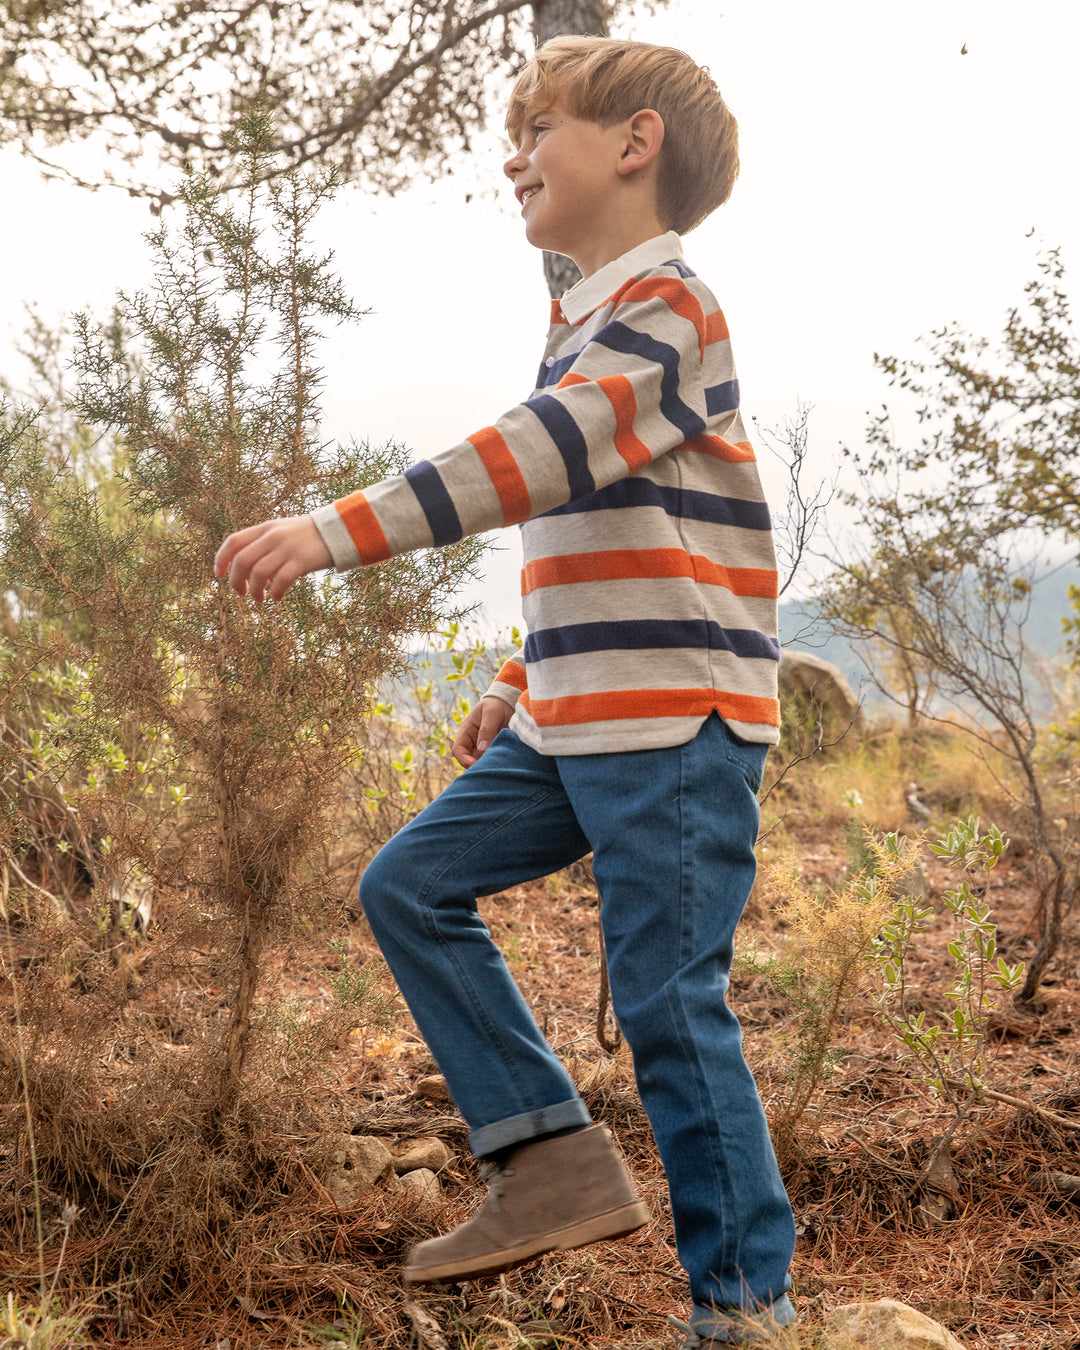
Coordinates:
(520, 1129)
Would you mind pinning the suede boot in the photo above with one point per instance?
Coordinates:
(751, 1329)
(548, 1196)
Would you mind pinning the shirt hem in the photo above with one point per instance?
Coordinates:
(621, 738)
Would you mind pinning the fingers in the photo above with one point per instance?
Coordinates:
(479, 728)
(494, 715)
(267, 559)
(223, 559)
(464, 748)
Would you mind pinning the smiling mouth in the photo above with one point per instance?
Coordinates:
(529, 194)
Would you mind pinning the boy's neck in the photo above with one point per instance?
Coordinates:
(624, 232)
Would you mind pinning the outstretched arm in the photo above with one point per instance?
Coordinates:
(633, 392)
(266, 559)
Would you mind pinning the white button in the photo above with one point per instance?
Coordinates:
(549, 362)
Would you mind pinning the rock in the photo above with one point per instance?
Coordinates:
(433, 1089)
(430, 1153)
(356, 1164)
(427, 1331)
(819, 682)
(885, 1325)
(424, 1184)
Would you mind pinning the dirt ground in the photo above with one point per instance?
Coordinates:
(989, 1246)
(990, 1250)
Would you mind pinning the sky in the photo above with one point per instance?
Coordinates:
(888, 186)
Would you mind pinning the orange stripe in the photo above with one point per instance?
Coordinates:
(505, 475)
(617, 297)
(675, 294)
(626, 564)
(731, 452)
(364, 529)
(557, 316)
(619, 392)
(514, 675)
(716, 329)
(621, 704)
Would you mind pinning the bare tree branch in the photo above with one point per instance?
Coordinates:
(380, 89)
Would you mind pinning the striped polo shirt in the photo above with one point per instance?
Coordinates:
(649, 582)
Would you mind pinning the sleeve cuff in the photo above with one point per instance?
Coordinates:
(510, 683)
(336, 537)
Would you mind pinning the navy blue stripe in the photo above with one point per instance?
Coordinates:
(553, 374)
(617, 337)
(431, 493)
(682, 269)
(645, 634)
(681, 503)
(722, 398)
(569, 442)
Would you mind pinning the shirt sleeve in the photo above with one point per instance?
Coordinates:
(634, 391)
(511, 681)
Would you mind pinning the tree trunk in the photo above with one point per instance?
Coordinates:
(551, 18)
(251, 948)
(1054, 907)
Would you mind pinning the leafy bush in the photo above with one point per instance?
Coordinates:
(178, 737)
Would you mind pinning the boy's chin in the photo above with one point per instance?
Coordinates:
(549, 245)
(539, 237)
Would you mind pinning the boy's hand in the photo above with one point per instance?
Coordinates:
(480, 727)
(276, 552)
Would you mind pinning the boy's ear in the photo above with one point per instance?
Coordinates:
(644, 137)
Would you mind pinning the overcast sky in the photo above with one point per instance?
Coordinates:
(888, 184)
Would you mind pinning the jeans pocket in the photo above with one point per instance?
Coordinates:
(747, 756)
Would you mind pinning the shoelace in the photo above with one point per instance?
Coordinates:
(691, 1340)
(746, 1333)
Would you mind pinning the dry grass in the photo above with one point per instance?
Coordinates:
(953, 775)
(192, 1230)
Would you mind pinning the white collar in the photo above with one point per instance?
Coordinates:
(591, 292)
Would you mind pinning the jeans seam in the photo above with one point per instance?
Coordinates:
(436, 875)
(688, 1047)
(752, 778)
(494, 1029)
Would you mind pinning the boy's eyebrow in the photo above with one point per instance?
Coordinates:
(527, 114)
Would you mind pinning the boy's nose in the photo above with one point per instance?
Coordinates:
(514, 165)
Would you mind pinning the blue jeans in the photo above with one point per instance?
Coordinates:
(672, 834)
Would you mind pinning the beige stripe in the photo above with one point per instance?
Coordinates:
(657, 598)
(640, 733)
(652, 668)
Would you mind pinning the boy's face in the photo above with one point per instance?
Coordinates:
(566, 178)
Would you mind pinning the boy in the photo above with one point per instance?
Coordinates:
(634, 723)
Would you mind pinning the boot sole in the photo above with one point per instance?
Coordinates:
(615, 1224)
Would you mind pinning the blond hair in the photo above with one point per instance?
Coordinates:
(606, 80)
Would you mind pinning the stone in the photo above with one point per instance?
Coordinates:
(416, 1153)
(813, 678)
(885, 1325)
(423, 1184)
(433, 1088)
(356, 1164)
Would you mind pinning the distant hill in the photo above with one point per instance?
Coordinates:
(802, 629)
